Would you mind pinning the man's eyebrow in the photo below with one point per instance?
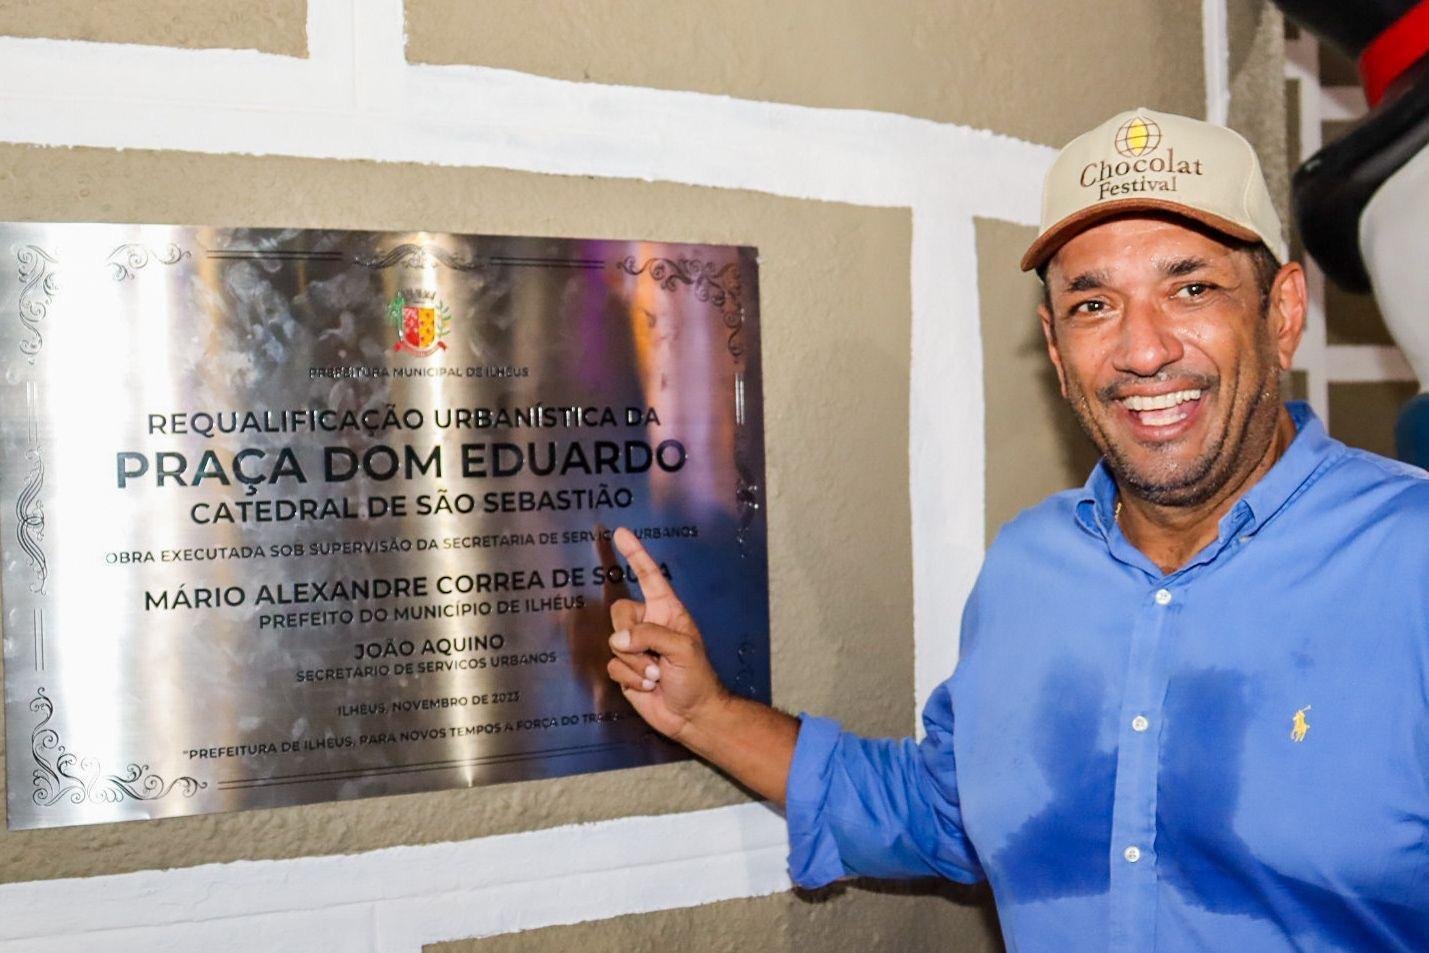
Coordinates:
(1086, 281)
(1180, 267)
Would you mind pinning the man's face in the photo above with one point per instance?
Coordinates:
(1166, 354)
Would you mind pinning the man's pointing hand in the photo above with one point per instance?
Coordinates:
(660, 661)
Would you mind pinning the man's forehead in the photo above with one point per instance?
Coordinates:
(1133, 244)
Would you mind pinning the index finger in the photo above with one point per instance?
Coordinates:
(652, 580)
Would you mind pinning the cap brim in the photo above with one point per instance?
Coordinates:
(1047, 244)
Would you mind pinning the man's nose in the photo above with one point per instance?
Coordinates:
(1148, 341)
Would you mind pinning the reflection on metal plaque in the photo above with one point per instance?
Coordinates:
(295, 516)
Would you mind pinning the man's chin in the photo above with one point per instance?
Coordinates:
(1178, 484)
(1173, 471)
(1173, 496)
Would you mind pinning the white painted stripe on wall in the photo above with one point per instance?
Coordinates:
(56, 92)
(1216, 50)
(1368, 363)
(946, 442)
(400, 898)
(355, 97)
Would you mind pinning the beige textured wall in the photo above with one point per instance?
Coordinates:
(273, 26)
(1363, 414)
(1257, 107)
(1042, 71)
(867, 917)
(836, 324)
(1034, 446)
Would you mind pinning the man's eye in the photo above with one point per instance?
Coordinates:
(1195, 289)
(1088, 307)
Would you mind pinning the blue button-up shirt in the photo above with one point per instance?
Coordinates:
(1234, 756)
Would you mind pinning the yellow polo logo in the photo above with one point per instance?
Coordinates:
(1137, 136)
(1301, 727)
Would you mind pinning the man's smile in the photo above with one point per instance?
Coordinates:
(1160, 417)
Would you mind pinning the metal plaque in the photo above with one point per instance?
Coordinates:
(301, 515)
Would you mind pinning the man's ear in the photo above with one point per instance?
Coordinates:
(1286, 310)
(1049, 333)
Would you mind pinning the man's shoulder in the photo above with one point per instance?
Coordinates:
(1363, 496)
(1392, 486)
(1049, 522)
(1372, 466)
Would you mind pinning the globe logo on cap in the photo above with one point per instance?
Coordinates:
(1137, 136)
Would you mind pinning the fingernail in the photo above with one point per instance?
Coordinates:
(647, 684)
(652, 672)
(621, 639)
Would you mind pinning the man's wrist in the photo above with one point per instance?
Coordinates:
(708, 722)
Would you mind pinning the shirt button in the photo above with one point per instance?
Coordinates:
(1163, 597)
(1139, 723)
(1132, 854)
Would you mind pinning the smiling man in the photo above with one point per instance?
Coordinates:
(1169, 318)
(1192, 710)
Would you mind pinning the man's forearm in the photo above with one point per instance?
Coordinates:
(751, 741)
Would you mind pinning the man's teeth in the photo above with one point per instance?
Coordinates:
(1161, 401)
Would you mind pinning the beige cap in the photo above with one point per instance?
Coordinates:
(1149, 161)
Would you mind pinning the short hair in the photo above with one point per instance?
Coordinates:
(1266, 267)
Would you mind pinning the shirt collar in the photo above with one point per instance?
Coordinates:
(1306, 456)
(1311, 449)
(1096, 507)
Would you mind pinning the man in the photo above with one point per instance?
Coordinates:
(1191, 705)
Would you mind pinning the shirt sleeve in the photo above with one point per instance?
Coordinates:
(877, 807)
